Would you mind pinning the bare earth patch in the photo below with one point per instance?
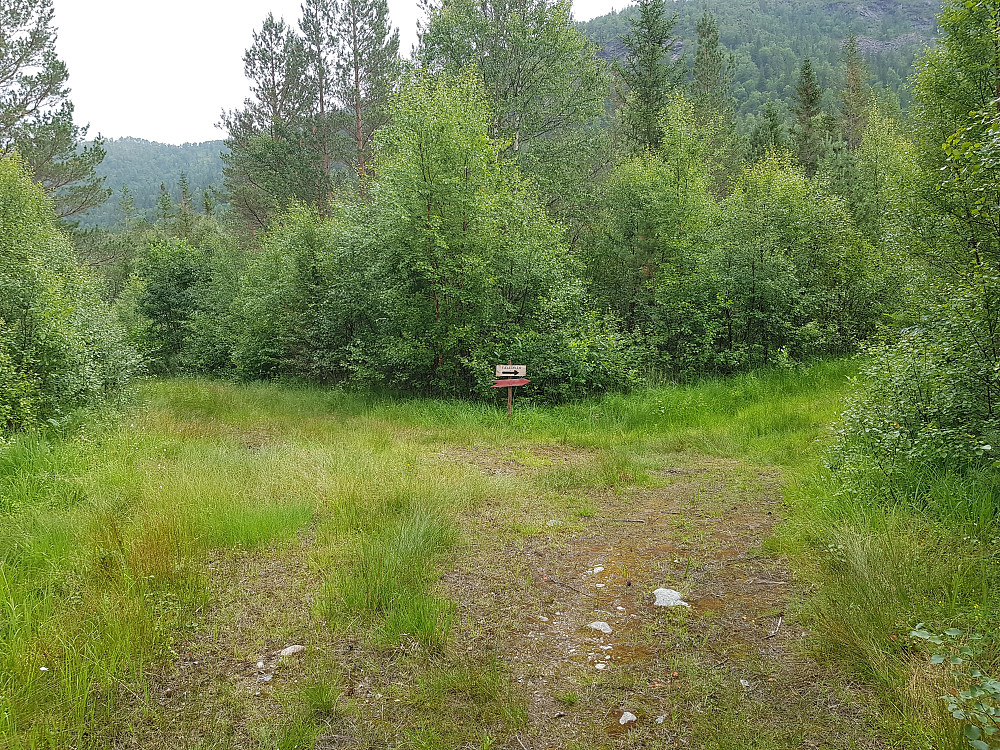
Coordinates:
(727, 671)
(535, 570)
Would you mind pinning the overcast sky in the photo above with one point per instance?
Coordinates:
(165, 70)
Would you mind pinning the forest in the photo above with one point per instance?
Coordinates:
(737, 271)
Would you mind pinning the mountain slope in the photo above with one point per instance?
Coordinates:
(769, 39)
(142, 165)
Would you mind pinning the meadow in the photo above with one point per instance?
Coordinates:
(441, 564)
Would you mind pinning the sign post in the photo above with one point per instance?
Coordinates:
(510, 376)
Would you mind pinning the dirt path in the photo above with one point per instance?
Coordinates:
(728, 671)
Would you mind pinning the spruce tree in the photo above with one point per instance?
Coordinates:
(648, 73)
(713, 71)
(768, 135)
(807, 109)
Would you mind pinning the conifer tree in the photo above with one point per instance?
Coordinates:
(768, 135)
(319, 28)
(808, 110)
(648, 72)
(367, 68)
(855, 98)
(267, 167)
(713, 71)
(164, 205)
(36, 116)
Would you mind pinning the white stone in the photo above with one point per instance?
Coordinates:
(292, 650)
(602, 626)
(661, 719)
(600, 666)
(627, 718)
(668, 598)
(553, 522)
(598, 569)
(543, 618)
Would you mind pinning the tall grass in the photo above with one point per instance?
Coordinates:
(106, 533)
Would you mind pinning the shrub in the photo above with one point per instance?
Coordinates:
(60, 345)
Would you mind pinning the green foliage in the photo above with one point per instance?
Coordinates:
(142, 165)
(774, 273)
(36, 116)
(649, 74)
(541, 80)
(977, 701)
(931, 402)
(798, 277)
(60, 346)
(770, 39)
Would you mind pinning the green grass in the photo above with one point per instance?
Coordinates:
(107, 533)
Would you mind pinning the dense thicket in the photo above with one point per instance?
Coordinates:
(61, 346)
(503, 211)
(511, 196)
(932, 395)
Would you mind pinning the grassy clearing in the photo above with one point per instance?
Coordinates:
(114, 540)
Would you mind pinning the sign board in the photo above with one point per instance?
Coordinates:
(512, 371)
(509, 382)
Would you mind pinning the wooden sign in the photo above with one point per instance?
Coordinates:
(509, 382)
(512, 371)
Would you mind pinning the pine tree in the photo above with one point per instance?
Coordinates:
(319, 28)
(808, 111)
(367, 68)
(855, 98)
(36, 116)
(648, 73)
(268, 166)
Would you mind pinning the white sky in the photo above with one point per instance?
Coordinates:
(164, 71)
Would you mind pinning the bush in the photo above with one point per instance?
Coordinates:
(60, 345)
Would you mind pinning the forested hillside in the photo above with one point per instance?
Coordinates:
(142, 166)
(769, 39)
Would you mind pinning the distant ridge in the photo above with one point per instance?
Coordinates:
(769, 39)
(142, 165)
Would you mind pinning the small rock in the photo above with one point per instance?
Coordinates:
(559, 715)
(661, 719)
(598, 569)
(600, 666)
(266, 677)
(600, 585)
(260, 665)
(620, 609)
(543, 618)
(602, 626)
(553, 522)
(668, 598)
(292, 650)
(745, 684)
(627, 718)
